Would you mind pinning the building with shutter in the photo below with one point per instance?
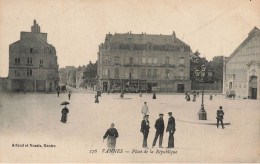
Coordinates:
(143, 62)
(32, 63)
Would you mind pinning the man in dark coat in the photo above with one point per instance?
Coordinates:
(171, 129)
(112, 135)
(154, 95)
(220, 114)
(159, 126)
(145, 130)
(64, 112)
(96, 99)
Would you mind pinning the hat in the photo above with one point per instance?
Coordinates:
(112, 124)
(170, 113)
(220, 107)
(146, 115)
(160, 114)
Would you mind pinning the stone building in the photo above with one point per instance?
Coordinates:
(241, 69)
(143, 62)
(32, 63)
(68, 76)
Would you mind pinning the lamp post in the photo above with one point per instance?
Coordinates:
(201, 77)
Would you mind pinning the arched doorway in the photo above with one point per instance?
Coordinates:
(252, 87)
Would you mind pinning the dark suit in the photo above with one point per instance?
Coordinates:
(171, 130)
(159, 126)
(220, 114)
(145, 130)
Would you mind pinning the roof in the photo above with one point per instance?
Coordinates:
(251, 34)
(144, 39)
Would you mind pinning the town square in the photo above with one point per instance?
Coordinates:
(129, 81)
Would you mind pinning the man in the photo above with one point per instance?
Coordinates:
(159, 126)
(145, 130)
(220, 114)
(171, 129)
(145, 110)
(112, 134)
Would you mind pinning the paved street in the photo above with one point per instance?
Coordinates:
(35, 119)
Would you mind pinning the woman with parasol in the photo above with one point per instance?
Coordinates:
(64, 112)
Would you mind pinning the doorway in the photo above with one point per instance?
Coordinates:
(149, 87)
(104, 86)
(180, 88)
(253, 87)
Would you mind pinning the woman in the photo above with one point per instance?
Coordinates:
(64, 112)
(112, 134)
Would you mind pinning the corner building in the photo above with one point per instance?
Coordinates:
(143, 62)
(32, 63)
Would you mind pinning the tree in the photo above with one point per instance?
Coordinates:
(216, 66)
(90, 74)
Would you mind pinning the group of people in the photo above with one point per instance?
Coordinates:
(195, 94)
(159, 126)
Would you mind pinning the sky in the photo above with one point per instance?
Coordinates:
(77, 27)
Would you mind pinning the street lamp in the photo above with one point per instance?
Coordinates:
(201, 77)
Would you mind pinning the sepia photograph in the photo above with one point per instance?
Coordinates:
(129, 81)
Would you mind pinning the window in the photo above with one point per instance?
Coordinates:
(131, 60)
(149, 72)
(29, 60)
(105, 72)
(143, 73)
(166, 60)
(154, 72)
(143, 60)
(116, 72)
(167, 74)
(106, 58)
(29, 72)
(181, 60)
(181, 73)
(17, 73)
(154, 60)
(149, 60)
(31, 50)
(17, 60)
(41, 62)
(131, 70)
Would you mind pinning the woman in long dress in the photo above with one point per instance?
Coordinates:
(111, 135)
(64, 112)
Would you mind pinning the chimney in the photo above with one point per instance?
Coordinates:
(173, 36)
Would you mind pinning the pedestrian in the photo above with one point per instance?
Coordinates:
(64, 112)
(220, 114)
(96, 99)
(140, 94)
(145, 130)
(188, 96)
(159, 126)
(58, 93)
(198, 93)
(194, 96)
(122, 94)
(145, 110)
(210, 97)
(154, 95)
(111, 135)
(69, 95)
(108, 91)
(171, 129)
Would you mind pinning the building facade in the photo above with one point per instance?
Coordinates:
(32, 63)
(143, 62)
(241, 68)
(68, 76)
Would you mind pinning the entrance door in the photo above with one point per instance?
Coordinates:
(254, 93)
(149, 87)
(104, 86)
(180, 88)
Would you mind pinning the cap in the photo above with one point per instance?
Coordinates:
(160, 114)
(220, 107)
(146, 115)
(170, 113)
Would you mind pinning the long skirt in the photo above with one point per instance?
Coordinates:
(111, 142)
(64, 117)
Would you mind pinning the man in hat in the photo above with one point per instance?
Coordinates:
(159, 126)
(112, 134)
(145, 130)
(220, 114)
(171, 129)
(145, 110)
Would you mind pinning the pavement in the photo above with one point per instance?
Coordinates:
(34, 118)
